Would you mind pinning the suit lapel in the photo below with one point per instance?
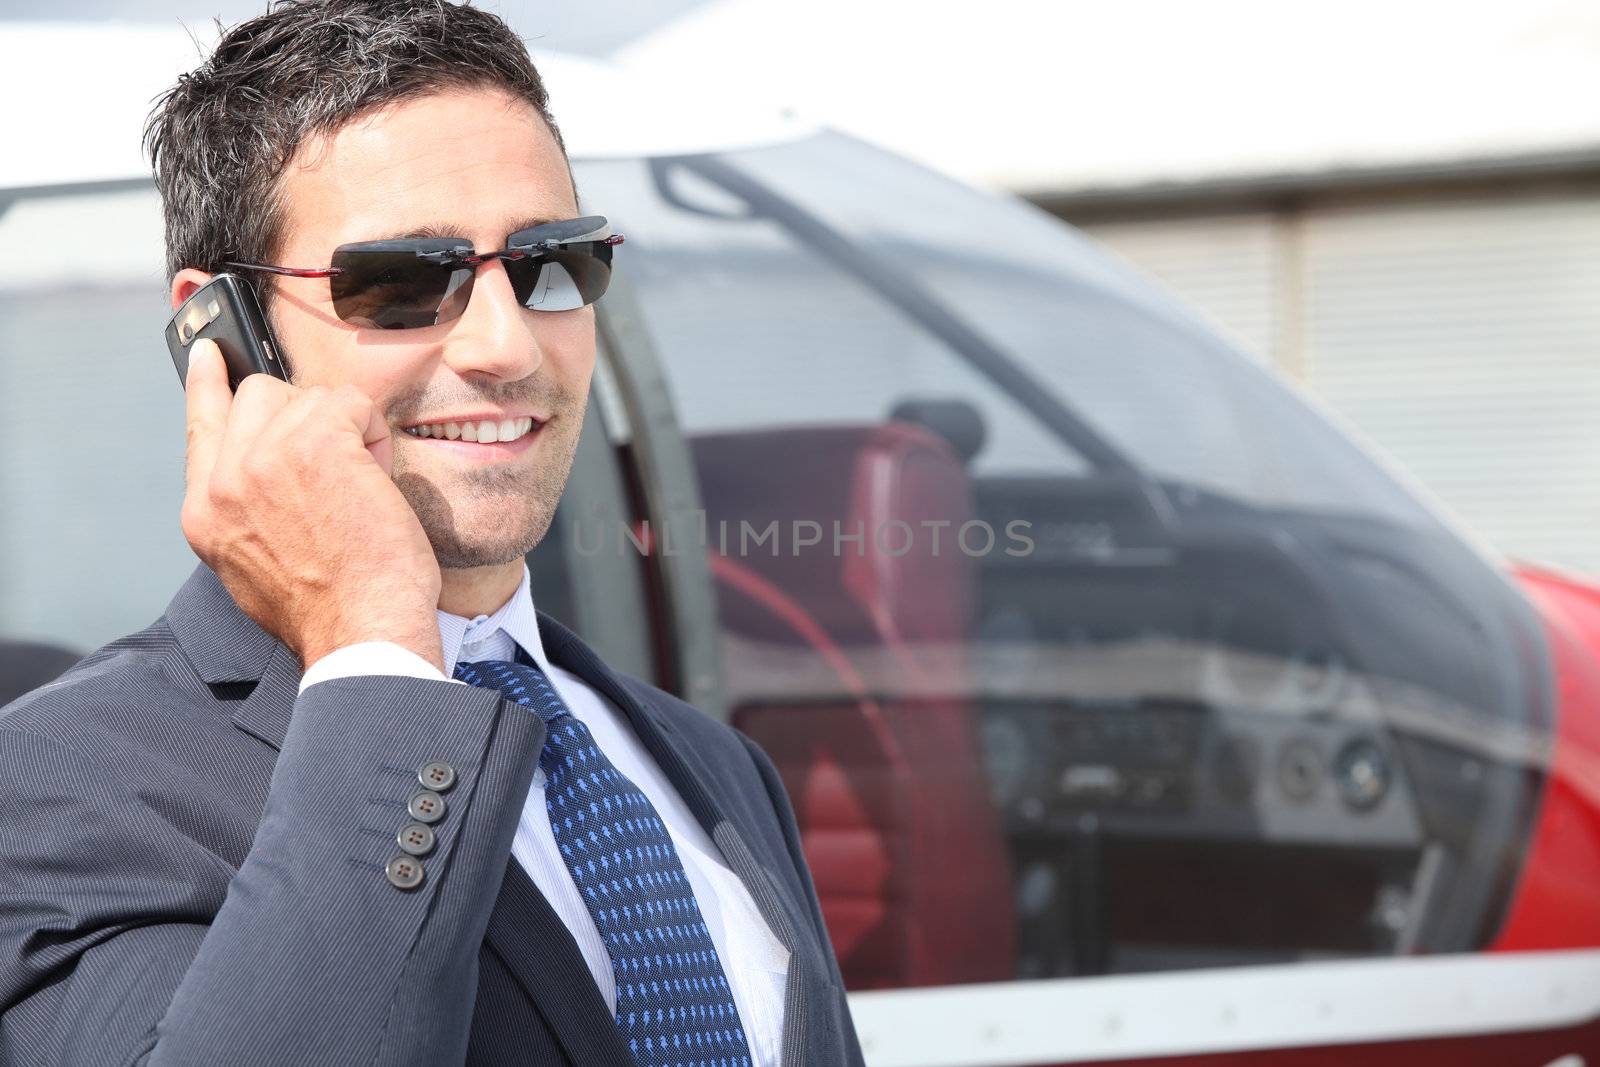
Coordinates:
(683, 767)
(537, 948)
(747, 851)
(265, 713)
(697, 781)
(228, 650)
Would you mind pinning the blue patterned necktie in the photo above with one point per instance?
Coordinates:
(674, 1007)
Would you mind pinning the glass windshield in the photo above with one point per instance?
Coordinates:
(1023, 574)
(1165, 393)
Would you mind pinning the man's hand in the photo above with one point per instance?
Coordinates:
(290, 501)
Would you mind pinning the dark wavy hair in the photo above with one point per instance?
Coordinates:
(220, 139)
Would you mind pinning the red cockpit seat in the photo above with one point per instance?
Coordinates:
(848, 666)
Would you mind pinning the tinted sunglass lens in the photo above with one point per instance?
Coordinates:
(562, 280)
(394, 290)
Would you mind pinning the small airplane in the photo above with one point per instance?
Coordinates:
(1132, 711)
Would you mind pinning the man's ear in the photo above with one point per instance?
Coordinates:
(184, 284)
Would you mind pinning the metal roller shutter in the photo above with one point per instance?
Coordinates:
(1226, 267)
(1462, 337)
(1457, 334)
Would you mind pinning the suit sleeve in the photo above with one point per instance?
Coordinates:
(125, 940)
(791, 836)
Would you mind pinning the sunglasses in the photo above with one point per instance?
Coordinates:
(411, 282)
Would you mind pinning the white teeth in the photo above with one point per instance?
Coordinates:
(483, 431)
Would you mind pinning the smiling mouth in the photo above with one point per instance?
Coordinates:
(485, 431)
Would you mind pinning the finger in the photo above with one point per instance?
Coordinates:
(260, 400)
(383, 452)
(364, 418)
(208, 401)
(364, 414)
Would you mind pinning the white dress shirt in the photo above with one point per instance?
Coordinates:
(755, 962)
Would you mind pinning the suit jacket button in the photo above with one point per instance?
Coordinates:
(426, 806)
(416, 838)
(404, 872)
(438, 776)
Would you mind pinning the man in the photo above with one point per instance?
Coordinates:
(352, 799)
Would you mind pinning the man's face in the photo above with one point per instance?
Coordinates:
(479, 165)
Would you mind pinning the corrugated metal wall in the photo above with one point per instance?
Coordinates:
(1459, 333)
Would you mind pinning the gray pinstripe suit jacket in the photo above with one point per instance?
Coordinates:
(191, 864)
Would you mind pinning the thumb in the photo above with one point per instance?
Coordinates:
(383, 452)
(370, 423)
(208, 401)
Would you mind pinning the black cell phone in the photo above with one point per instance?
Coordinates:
(226, 310)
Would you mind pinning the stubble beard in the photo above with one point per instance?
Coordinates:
(496, 514)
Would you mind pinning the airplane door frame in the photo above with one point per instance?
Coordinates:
(684, 609)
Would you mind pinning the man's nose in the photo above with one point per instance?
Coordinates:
(495, 336)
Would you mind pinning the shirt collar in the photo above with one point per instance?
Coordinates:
(489, 636)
